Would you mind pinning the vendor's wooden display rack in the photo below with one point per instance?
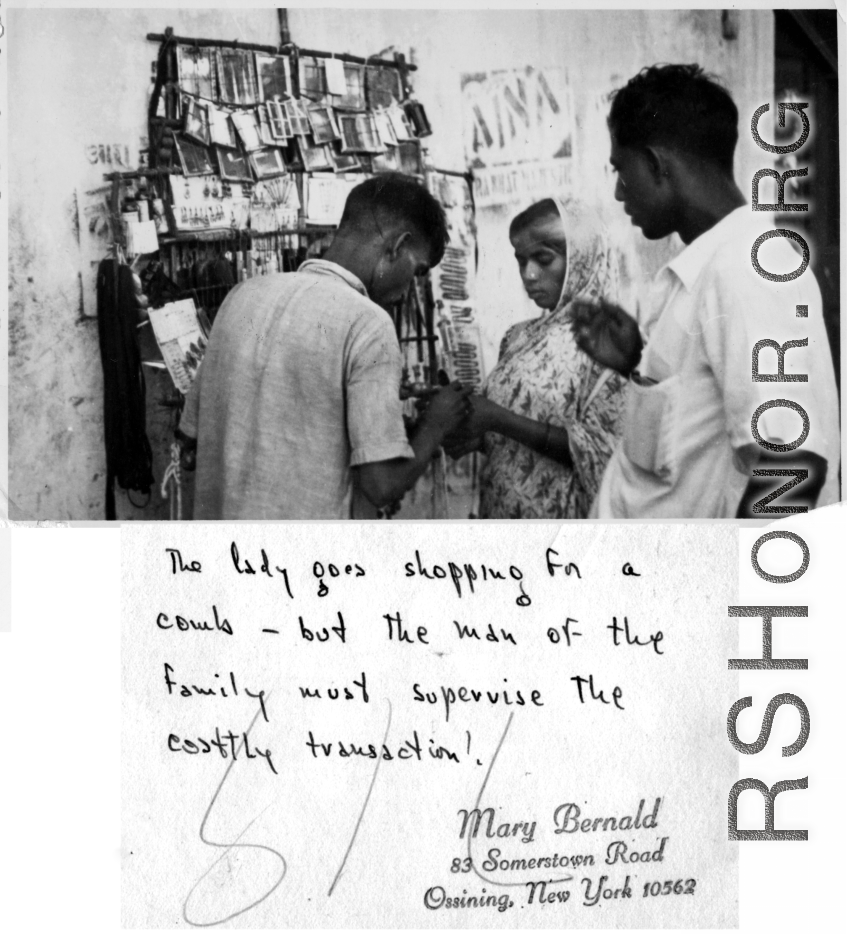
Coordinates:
(413, 318)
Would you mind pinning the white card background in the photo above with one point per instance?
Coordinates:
(294, 826)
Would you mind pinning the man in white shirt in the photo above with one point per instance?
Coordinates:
(297, 400)
(688, 448)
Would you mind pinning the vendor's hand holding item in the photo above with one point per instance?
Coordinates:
(422, 394)
(607, 333)
(448, 407)
(482, 416)
(458, 445)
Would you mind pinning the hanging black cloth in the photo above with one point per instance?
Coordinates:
(129, 459)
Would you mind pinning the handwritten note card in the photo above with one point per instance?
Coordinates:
(389, 725)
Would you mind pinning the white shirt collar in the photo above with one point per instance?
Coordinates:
(325, 267)
(688, 265)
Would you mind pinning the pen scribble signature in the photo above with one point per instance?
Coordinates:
(227, 847)
(364, 806)
(234, 844)
(478, 800)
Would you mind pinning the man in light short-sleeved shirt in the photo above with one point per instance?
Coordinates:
(687, 447)
(688, 450)
(297, 399)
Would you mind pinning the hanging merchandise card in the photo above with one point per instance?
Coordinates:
(460, 352)
(400, 123)
(298, 118)
(274, 205)
(200, 204)
(141, 238)
(262, 215)
(248, 129)
(327, 195)
(221, 129)
(312, 80)
(237, 76)
(181, 340)
(196, 70)
(288, 212)
(385, 128)
(263, 208)
(336, 83)
(384, 86)
(454, 283)
(273, 75)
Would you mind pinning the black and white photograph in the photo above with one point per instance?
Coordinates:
(400, 125)
(278, 119)
(236, 70)
(196, 70)
(193, 157)
(274, 76)
(345, 162)
(316, 157)
(267, 163)
(385, 128)
(384, 87)
(324, 127)
(233, 165)
(424, 468)
(197, 122)
(312, 78)
(409, 158)
(296, 110)
(358, 132)
(221, 130)
(246, 122)
(354, 96)
(569, 316)
(265, 131)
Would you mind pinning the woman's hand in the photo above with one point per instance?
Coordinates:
(483, 416)
(607, 334)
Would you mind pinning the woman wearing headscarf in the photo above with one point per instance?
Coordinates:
(548, 417)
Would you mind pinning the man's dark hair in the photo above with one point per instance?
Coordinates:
(538, 211)
(397, 197)
(678, 106)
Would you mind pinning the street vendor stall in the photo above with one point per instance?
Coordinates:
(252, 151)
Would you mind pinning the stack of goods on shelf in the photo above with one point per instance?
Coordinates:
(268, 142)
(258, 150)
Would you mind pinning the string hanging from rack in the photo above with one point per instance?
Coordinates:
(172, 483)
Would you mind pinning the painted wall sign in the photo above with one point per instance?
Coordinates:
(518, 127)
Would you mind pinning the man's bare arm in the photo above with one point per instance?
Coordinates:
(383, 482)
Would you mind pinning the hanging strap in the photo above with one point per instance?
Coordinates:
(129, 459)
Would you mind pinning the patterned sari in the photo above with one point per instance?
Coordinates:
(542, 375)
